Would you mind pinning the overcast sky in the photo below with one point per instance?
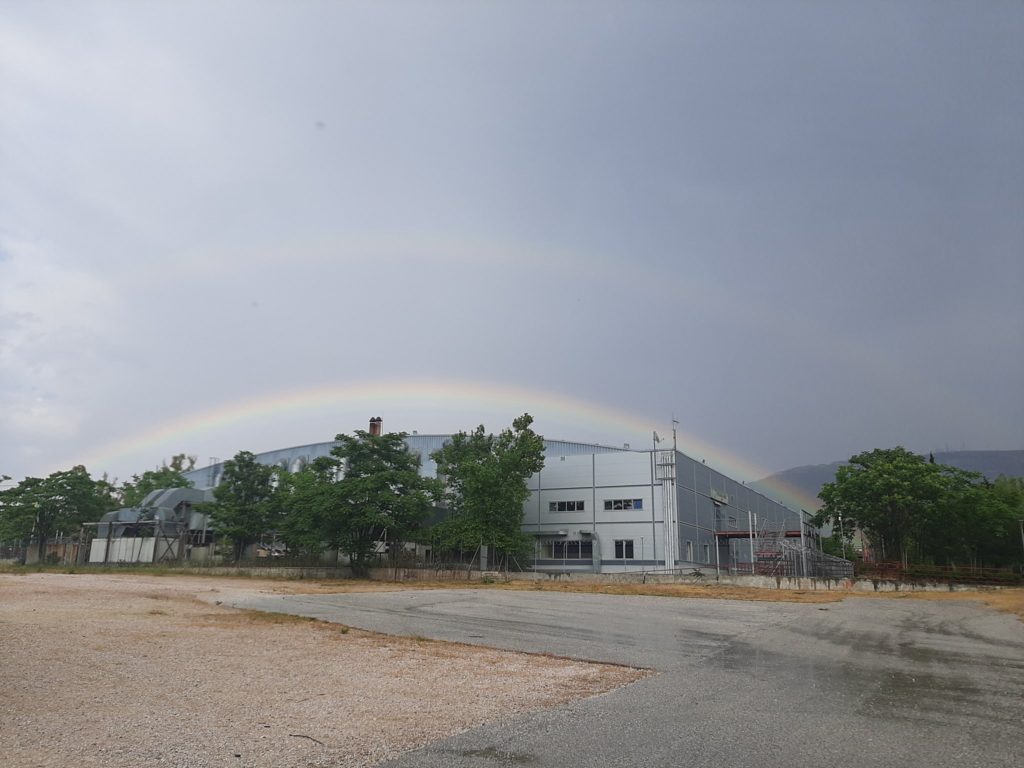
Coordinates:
(798, 227)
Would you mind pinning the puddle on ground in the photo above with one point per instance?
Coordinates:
(915, 684)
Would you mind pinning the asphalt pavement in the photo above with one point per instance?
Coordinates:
(866, 682)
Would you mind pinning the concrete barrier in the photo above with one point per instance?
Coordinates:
(753, 581)
(694, 577)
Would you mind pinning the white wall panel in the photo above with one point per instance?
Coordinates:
(567, 472)
(623, 468)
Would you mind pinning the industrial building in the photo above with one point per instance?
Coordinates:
(164, 527)
(659, 509)
(592, 508)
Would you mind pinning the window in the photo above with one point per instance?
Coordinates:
(566, 506)
(560, 549)
(707, 553)
(689, 551)
(623, 503)
(623, 549)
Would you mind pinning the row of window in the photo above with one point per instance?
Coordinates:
(580, 506)
(567, 550)
(623, 503)
(566, 506)
(560, 549)
(584, 550)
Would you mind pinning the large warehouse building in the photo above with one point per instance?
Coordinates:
(602, 509)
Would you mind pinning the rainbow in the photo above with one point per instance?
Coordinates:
(447, 405)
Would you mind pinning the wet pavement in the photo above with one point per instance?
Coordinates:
(871, 682)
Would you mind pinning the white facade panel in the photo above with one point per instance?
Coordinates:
(567, 472)
(622, 468)
(97, 550)
(134, 549)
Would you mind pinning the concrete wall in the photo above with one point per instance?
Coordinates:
(756, 582)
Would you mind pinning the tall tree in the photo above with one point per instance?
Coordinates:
(309, 500)
(168, 475)
(243, 506)
(1001, 541)
(380, 494)
(884, 492)
(485, 478)
(914, 509)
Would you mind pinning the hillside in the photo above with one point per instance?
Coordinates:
(810, 478)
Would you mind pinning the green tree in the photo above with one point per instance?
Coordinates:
(309, 501)
(914, 509)
(885, 493)
(485, 478)
(1000, 527)
(244, 505)
(379, 495)
(169, 475)
(39, 508)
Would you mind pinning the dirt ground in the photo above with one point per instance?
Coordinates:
(135, 670)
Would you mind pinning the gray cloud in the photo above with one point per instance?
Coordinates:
(796, 227)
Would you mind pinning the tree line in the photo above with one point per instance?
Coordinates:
(913, 510)
(37, 509)
(367, 490)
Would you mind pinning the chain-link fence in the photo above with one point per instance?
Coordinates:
(772, 555)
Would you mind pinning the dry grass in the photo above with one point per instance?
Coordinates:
(1005, 600)
(714, 591)
(1009, 600)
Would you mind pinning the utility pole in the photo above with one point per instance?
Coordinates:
(750, 530)
(803, 545)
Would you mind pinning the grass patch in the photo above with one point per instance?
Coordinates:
(127, 568)
(1007, 600)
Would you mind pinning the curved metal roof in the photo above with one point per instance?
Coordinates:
(298, 456)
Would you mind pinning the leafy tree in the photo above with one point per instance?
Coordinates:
(166, 476)
(244, 503)
(999, 527)
(310, 497)
(885, 493)
(914, 509)
(381, 493)
(38, 508)
(486, 486)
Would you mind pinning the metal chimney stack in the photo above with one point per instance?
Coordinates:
(376, 426)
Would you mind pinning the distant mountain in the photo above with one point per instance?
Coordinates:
(809, 479)
(991, 464)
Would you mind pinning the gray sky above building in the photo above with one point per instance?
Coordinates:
(240, 225)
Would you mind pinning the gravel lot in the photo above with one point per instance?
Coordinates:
(101, 670)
